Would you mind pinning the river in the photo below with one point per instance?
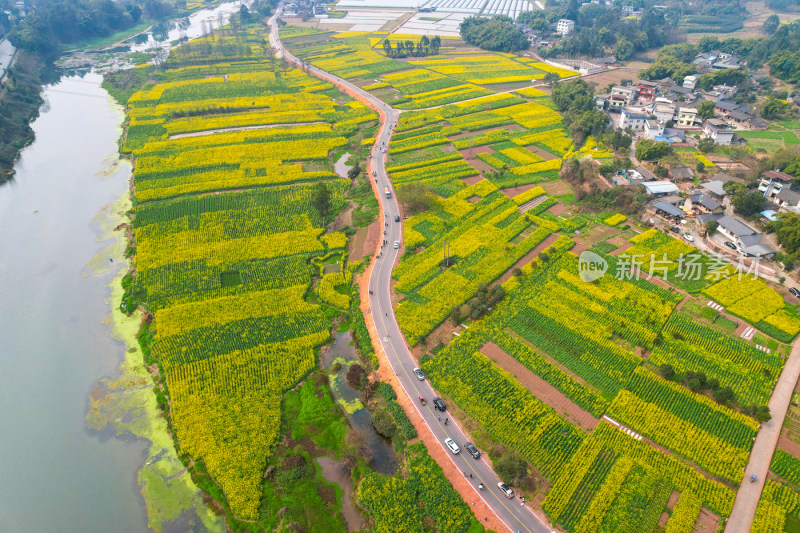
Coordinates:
(56, 338)
(57, 474)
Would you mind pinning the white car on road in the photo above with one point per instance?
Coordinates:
(506, 490)
(452, 446)
(688, 237)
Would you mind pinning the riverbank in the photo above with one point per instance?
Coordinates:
(20, 100)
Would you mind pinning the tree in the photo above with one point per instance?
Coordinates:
(711, 226)
(706, 109)
(321, 200)
(497, 33)
(384, 424)
(355, 171)
(355, 376)
(550, 78)
(387, 48)
(417, 197)
(787, 230)
(666, 371)
(623, 50)
(723, 395)
(706, 145)
(762, 414)
(773, 108)
(512, 469)
(748, 204)
(700, 167)
(244, 14)
(772, 24)
(649, 150)
(436, 42)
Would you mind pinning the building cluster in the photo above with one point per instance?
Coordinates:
(711, 202)
(659, 109)
(297, 8)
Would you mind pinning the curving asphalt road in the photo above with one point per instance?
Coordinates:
(514, 513)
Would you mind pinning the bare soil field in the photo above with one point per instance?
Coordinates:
(615, 76)
(540, 388)
(513, 191)
(544, 154)
(556, 187)
(480, 166)
(527, 258)
(473, 180)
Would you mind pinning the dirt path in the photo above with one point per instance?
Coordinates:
(744, 508)
(540, 388)
(240, 128)
(527, 258)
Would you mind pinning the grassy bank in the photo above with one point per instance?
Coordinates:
(20, 99)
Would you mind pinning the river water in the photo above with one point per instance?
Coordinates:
(54, 345)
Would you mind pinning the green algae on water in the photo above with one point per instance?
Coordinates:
(126, 405)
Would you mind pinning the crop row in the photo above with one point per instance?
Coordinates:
(695, 409)
(704, 449)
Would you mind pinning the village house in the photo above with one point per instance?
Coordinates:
(663, 110)
(788, 199)
(672, 135)
(633, 119)
(660, 188)
(668, 211)
(715, 190)
(699, 203)
(621, 96)
(690, 82)
(652, 129)
(773, 182)
(646, 91)
(749, 241)
(724, 107)
(565, 26)
(686, 117)
(719, 131)
(681, 173)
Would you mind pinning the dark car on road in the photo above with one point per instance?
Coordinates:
(473, 451)
(730, 245)
(794, 291)
(439, 405)
(675, 229)
(397, 218)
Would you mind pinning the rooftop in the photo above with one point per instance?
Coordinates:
(705, 201)
(682, 172)
(714, 187)
(735, 227)
(669, 209)
(776, 175)
(660, 187)
(789, 196)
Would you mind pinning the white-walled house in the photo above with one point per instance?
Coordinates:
(719, 131)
